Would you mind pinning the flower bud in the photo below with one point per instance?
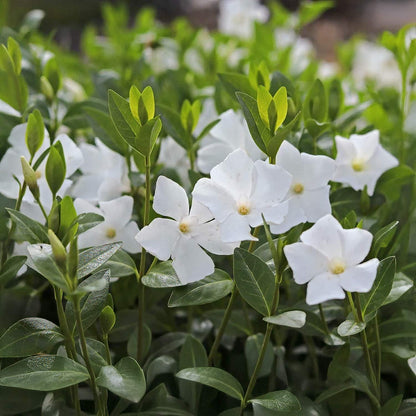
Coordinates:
(58, 250)
(30, 177)
(107, 319)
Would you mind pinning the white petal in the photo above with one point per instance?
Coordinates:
(118, 211)
(211, 155)
(86, 187)
(190, 261)
(93, 159)
(346, 150)
(366, 144)
(127, 235)
(229, 129)
(109, 189)
(272, 183)
(305, 261)
(322, 288)
(236, 228)
(73, 155)
(318, 170)
(170, 199)
(289, 158)
(295, 215)
(208, 236)
(95, 236)
(359, 278)
(235, 174)
(32, 210)
(200, 211)
(357, 180)
(159, 237)
(356, 244)
(324, 236)
(82, 206)
(315, 203)
(215, 198)
(274, 214)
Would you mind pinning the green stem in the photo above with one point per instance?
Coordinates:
(107, 349)
(98, 405)
(42, 209)
(378, 361)
(222, 327)
(403, 105)
(321, 313)
(253, 242)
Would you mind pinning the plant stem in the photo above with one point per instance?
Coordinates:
(142, 268)
(98, 405)
(222, 327)
(378, 361)
(321, 313)
(403, 105)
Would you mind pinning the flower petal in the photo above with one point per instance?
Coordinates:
(366, 144)
(356, 244)
(359, 278)
(318, 170)
(346, 150)
(118, 211)
(315, 203)
(325, 237)
(170, 199)
(159, 237)
(127, 235)
(322, 288)
(295, 215)
(305, 261)
(200, 211)
(289, 158)
(95, 236)
(236, 228)
(211, 155)
(73, 154)
(190, 261)
(86, 187)
(81, 206)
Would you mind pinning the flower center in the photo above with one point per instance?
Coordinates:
(184, 227)
(38, 174)
(243, 209)
(110, 232)
(358, 164)
(297, 188)
(337, 266)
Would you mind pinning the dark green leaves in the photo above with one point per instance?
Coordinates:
(43, 373)
(27, 229)
(254, 280)
(278, 401)
(161, 275)
(126, 379)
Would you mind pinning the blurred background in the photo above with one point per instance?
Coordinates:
(67, 18)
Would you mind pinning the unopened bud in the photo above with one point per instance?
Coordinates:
(58, 250)
(107, 319)
(29, 176)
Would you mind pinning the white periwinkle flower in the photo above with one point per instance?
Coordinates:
(240, 191)
(329, 260)
(361, 160)
(182, 237)
(237, 17)
(229, 134)
(308, 196)
(115, 227)
(104, 174)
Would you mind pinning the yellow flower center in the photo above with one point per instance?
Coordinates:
(184, 227)
(243, 209)
(110, 233)
(297, 188)
(357, 164)
(38, 174)
(337, 267)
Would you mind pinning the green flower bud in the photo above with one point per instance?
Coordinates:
(30, 177)
(58, 250)
(107, 319)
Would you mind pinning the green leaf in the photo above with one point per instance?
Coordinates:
(316, 104)
(208, 290)
(147, 136)
(255, 281)
(391, 182)
(81, 223)
(252, 350)
(44, 263)
(120, 264)
(10, 268)
(160, 365)
(333, 391)
(349, 328)
(401, 284)
(374, 299)
(125, 379)
(35, 132)
(166, 343)
(43, 373)
(258, 130)
(173, 125)
(29, 336)
(392, 406)
(192, 354)
(52, 73)
(279, 401)
(213, 377)
(311, 11)
(291, 319)
(28, 229)
(162, 275)
(383, 238)
(55, 169)
(234, 82)
(93, 258)
(19, 402)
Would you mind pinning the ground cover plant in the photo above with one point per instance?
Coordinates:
(207, 223)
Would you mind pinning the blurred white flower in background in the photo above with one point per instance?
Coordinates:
(182, 237)
(162, 57)
(308, 196)
(328, 259)
(240, 191)
(117, 224)
(104, 174)
(229, 134)
(237, 17)
(361, 160)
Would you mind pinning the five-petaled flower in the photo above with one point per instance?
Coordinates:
(329, 259)
(182, 237)
(361, 160)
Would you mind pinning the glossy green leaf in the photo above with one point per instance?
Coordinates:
(349, 328)
(28, 229)
(291, 319)
(392, 406)
(120, 264)
(234, 82)
(252, 350)
(401, 284)
(383, 238)
(162, 275)
(278, 401)
(161, 365)
(214, 377)
(10, 268)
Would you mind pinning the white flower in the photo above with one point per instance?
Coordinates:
(10, 166)
(182, 237)
(229, 134)
(240, 191)
(115, 227)
(104, 174)
(328, 259)
(308, 196)
(237, 17)
(163, 57)
(361, 160)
